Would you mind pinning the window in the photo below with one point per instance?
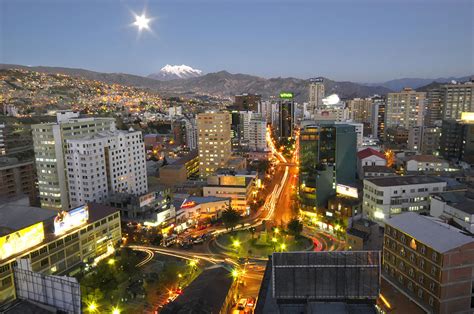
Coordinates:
(421, 279)
(431, 301)
(420, 293)
(432, 286)
(434, 256)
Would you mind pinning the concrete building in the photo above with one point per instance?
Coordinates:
(17, 178)
(369, 157)
(105, 162)
(49, 140)
(360, 110)
(397, 136)
(316, 94)
(364, 235)
(454, 207)
(377, 171)
(178, 172)
(201, 209)
(191, 133)
(327, 158)
(139, 208)
(257, 134)
(457, 140)
(426, 163)
(378, 117)
(214, 141)
(54, 244)
(385, 197)
(434, 107)
(240, 188)
(456, 99)
(424, 139)
(405, 109)
(429, 263)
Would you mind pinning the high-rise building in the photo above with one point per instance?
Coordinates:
(287, 115)
(424, 139)
(378, 117)
(105, 162)
(434, 107)
(49, 141)
(327, 158)
(257, 134)
(457, 139)
(245, 102)
(430, 263)
(360, 110)
(316, 94)
(191, 133)
(405, 109)
(214, 141)
(456, 99)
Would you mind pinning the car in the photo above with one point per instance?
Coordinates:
(172, 297)
(241, 304)
(198, 240)
(250, 302)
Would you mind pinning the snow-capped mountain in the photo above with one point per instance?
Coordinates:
(173, 72)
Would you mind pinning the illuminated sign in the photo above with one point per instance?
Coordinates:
(21, 240)
(316, 80)
(467, 116)
(286, 95)
(347, 190)
(188, 204)
(65, 221)
(232, 180)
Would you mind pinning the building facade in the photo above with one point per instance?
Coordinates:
(316, 94)
(49, 140)
(214, 141)
(457, 140)
(385, 197)
(430, 263)
(456, 99)
(405, 109)
(327, 157)
(17, 178)
(103, 163)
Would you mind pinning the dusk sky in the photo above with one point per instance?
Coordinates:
(363, 41)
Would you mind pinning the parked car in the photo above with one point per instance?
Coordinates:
(241, 304)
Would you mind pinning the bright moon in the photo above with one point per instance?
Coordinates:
(142, 22)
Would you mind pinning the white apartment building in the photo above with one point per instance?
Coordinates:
(385, 197)
(257, 134)
(191, 133)
(426, 163)
(455, 206)
(105, 162)
(405, 109)
(49, 142)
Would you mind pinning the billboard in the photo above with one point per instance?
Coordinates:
(286, 95)
(347, 190)
(21, 240)
(65, 221)
(146, 199)
(316, 80)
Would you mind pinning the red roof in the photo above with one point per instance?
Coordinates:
(369, 152)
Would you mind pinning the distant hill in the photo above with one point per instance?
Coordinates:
(223, 83)
(415, 83)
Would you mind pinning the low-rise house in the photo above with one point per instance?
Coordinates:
(456, 207)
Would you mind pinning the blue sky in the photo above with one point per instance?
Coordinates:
(359, 40)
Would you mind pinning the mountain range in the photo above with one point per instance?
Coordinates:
(417, 83)
(222, 84)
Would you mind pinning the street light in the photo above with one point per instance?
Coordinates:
(115, 310)
(283, 247)
(277, 231)
(235, 273)
(111, 261)
(236, 243)
(92, 307)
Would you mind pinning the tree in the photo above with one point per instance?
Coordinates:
(230, 217)
(295, 227)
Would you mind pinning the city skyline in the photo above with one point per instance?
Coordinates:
(105, 40)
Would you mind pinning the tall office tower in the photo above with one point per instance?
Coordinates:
(360, 110)
(49, 142)
(245, 117)
(378, 117)
(457, 98)
(457, 139)
(287, 115)
(434, 107)
(105, 162)
(257, 134)
(245, 102)
(265, 109)
(405, 109)
(316, 94)
(327, 158)
(214, 141)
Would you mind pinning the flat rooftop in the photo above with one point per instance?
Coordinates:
(206, 294)
(433, 233)
(458, 199)
(404, 180)
(19, 214)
